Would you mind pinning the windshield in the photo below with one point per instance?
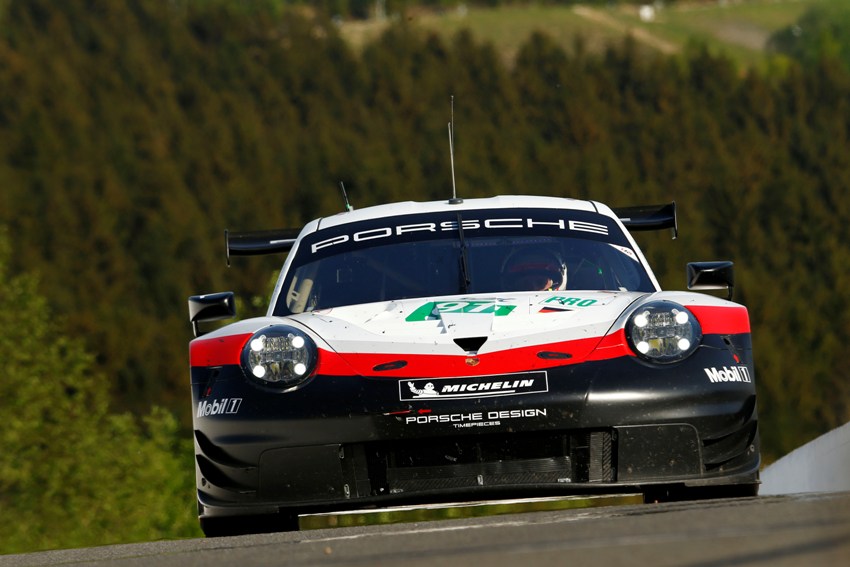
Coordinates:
(535, 250)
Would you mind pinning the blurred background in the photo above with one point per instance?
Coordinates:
(133, 132)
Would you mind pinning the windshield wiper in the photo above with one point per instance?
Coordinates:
(464, 257)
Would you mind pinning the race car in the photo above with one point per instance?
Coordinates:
(467, 349)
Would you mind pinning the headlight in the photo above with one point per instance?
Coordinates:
(663, 332)
(279, 357)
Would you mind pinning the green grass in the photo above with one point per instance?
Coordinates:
(508, 28)
(736, 28)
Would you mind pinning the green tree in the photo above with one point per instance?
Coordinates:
(822, 32)
(71, 472)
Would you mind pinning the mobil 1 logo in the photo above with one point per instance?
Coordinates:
(219, 407)
(728, 374)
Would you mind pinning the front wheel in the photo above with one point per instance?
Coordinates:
(678, 493)
(242, 525)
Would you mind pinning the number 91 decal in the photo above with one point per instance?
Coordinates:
(431, 310)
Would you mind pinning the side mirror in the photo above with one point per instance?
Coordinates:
(711, 275)
(210, 307)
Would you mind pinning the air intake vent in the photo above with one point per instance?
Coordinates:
(492, 460)
(471, 344)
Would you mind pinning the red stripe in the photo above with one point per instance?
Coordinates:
(228, 350)
(333, 364)
(722, 320)
(218, 351)
(713, 320)
(446, 365)
(611, 346)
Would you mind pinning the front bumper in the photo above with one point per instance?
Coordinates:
(344, 442)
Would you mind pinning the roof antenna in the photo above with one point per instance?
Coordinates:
(348, 206)
(454, 200)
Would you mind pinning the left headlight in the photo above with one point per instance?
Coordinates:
(663, 332)
(279, 357)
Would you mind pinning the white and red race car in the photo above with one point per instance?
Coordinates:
(460, 349)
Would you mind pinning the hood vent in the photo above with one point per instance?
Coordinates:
(471, 344)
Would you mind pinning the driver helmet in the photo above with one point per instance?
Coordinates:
(534, 269)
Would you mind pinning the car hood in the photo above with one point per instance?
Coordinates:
(469, 326)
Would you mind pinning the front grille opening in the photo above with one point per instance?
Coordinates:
(491, 461)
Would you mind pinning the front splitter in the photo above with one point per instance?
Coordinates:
(456, 510)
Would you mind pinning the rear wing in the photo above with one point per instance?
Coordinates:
(649, 217)
(256, 243)
(259, 242)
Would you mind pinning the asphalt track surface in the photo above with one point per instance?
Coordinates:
(798, 530)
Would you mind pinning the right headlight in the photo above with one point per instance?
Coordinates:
(662, 332)
(279, 357)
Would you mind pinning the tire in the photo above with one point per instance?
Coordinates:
(678, 493)
(243, 525)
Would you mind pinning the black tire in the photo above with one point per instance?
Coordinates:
(678, 493)
(243, 525)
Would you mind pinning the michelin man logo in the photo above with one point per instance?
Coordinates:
(427, 392)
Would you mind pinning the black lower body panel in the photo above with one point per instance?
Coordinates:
(338, 476)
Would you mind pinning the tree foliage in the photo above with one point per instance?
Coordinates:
(71, 472)
(821, 33)
(363, 9)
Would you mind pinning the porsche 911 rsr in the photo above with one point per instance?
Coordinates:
(420, 352)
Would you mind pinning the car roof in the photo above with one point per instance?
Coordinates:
(505, 202)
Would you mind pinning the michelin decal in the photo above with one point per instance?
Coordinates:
(475, 387)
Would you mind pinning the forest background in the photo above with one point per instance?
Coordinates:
(133, 132)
